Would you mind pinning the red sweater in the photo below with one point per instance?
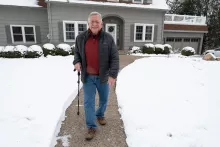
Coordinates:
(91, 53)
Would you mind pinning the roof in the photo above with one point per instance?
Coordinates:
(157, 4)
(28, 3)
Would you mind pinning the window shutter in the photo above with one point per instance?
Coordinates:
(132, 33)
(8, 34)
(155, 33)
(38, 34)
(60, 28)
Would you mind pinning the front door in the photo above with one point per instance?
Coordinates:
(112, 29)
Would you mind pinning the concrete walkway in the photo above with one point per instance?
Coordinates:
(110, 135)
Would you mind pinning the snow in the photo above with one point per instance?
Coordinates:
(21, 48)
(149, 45)
(189, 49)
(36, 48)
(159, 46)
(34, 96)
(170, 102)
(9, 48)
(65, 47)
(158, 4)
(1, 48)
(29, 3)
(167, 45)
(64, 139)
(49, 46)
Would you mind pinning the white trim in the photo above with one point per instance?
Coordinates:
(114, 25)
(143, 32)
(75, 29)
(133, 1)
(185, 31)
(23, 33)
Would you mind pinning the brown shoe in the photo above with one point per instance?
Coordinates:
(90, 134)
(101, 120)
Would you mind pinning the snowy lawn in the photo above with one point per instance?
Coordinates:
(170, 102)
(34, 96)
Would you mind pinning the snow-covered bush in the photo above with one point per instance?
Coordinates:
(48, 49)
(167, 49)
(135, 50)
(159, 48)
(188, 51)
(1, 50)
(63, 49)
(13, 52)
(34, 51)
(148, 48)
(72, 49)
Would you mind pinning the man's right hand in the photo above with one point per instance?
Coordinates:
(78, 66)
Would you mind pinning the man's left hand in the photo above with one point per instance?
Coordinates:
(111, 81)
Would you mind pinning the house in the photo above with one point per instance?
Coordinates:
(130, 22)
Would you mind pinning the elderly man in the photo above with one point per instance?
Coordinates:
(96, 57)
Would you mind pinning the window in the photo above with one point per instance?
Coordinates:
(194, 40)
(143, 32)
(71, 29)
(170, 39)
(138, 1)
(23, 33)
(178, 39)
(186, 40)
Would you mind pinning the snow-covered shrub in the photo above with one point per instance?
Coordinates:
(72, 49)
(34, 51)
(188, 51)
(63, 49)
(148, 48)
(48, 49)
(12, 52)
(159, 48)
(167, 49)
(1, 50)
(135, 50)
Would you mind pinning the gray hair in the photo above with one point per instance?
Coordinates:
(95, 13)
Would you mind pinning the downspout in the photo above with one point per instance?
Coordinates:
(50, 21)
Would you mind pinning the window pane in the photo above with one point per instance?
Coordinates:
(170, 39)
(139, 29)
(70, 35)
(82, 27)
(29, 38)
(148, 36)
(18, 38)
(70, 27)
(149, 29)
(138, 36)
(137, 0)
(178, 39)
(29, 30)
(17, 30)
(186, 40)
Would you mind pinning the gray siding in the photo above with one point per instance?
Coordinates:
(73, 12)
(12, 15)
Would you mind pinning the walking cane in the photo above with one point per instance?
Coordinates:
(78, 89)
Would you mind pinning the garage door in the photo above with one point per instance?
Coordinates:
(179, 43)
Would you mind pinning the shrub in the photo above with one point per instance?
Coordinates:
(167, 49)
(134, 50)
(159, 49)
(72, 49)
(148, 48)
(188, 51)
(11, 52)
(48, 49)
(63, 50)
(34, 51)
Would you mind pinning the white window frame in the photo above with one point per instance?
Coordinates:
(138, 2)
(75, 29)
(23, 33)
(143, 32)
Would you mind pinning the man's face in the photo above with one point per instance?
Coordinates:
(95, 24)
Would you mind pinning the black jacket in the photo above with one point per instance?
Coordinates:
(107, 53)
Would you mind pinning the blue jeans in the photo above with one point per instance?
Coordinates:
(89, 88)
